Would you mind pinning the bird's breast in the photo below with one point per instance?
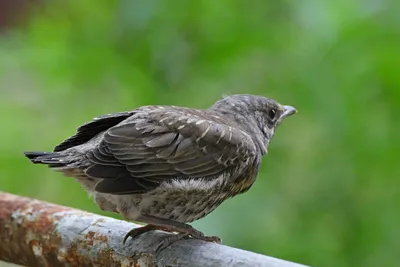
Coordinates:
(244, 180)
(182, 204)
(240, 185)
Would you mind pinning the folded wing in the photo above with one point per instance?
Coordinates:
(138, 156)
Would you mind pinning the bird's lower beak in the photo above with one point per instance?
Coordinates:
(289, 110)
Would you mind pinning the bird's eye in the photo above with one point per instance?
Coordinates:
(272, 113)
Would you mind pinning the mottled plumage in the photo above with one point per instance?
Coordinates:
(167, 165)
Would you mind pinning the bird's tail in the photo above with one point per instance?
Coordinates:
(52, 159)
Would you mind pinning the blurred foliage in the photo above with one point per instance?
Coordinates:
(329, 191)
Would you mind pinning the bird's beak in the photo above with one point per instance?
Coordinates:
(289, 110)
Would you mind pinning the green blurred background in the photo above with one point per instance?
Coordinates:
(329, 191)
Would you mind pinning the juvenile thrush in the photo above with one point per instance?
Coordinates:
(167, 166)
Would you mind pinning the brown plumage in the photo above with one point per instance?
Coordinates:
(167, 166)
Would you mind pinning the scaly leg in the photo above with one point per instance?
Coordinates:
(184, 230)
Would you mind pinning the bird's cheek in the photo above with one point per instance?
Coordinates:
(269, 133)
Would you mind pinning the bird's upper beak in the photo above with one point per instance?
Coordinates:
(289, 110)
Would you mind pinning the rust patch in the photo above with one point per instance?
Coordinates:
(103, 238)
(75, 253)
(30, 230)
(41, 224)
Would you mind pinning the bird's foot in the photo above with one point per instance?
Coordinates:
(183, 233)
(199, 235)
(141, 230)
(169, 240)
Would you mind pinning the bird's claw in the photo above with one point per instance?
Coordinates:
(169, 240)
(132, 233)
(199, 235)
(140, 230)
(214, 239)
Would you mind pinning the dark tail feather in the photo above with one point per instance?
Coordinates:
(53, 159)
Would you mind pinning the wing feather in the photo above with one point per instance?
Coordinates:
(92, 128)
(160, 146)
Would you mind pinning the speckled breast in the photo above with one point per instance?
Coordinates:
(187, 200)
(180, 205)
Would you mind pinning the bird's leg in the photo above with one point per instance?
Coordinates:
(184, 230)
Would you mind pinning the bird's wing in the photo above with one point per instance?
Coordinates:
(137, 156)
(90, 129)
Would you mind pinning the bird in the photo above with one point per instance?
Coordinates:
(167, 166)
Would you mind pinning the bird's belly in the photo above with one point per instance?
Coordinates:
(181, 205)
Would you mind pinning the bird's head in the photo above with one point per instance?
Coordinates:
(256, 114)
